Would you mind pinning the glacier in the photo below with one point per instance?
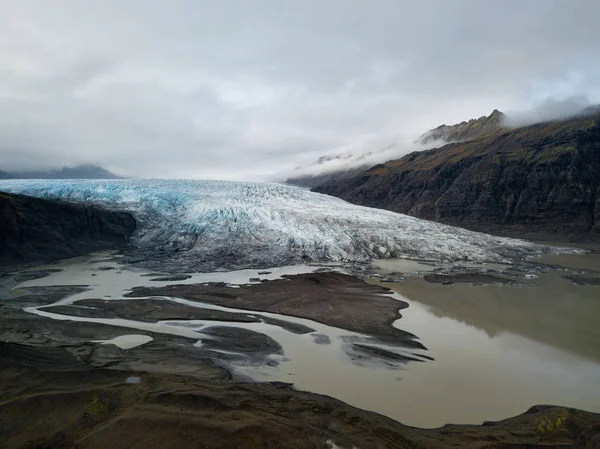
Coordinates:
(204, 225)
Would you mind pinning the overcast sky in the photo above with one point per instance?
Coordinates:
(251, 89)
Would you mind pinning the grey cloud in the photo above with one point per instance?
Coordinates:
(251, 90)
(549, 109)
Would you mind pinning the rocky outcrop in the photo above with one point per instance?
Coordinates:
(34, 229)
(465, 130)
(542, 179)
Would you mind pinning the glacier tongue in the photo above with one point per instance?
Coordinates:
(206, 224)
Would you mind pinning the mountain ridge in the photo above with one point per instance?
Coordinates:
(83, 171)
(466, 130)
(541, 179)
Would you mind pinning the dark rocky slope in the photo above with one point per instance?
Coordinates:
(312, 181)
(474, 128)
(33, 229)
(542, 179)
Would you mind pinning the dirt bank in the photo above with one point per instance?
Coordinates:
(99, 409)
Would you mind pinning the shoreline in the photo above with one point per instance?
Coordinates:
(90, 409)
(201, 374)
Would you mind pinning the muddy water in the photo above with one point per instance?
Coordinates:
(498, 349)
(484, 371)
(591, 260)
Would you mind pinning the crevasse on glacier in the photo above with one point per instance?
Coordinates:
(243, 224)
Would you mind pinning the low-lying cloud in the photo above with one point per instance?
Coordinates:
(549, 109)
(361, 157)
(239, 90)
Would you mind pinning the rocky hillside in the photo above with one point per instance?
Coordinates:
(541, 179)
(37, 230)
(465, 130)
(472, 129)
(312, 181)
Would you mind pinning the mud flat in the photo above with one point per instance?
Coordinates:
(468, 278)
(152, 310)
(331, 298)
(169, 365)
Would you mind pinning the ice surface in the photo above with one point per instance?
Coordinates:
(197, 224)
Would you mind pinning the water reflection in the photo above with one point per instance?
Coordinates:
(552, 310)
(498, 350)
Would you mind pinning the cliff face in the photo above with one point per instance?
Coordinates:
(542, 179)
(33, 229)
(465, 130)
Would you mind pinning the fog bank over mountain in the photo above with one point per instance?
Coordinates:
(550, 109)
(223, 91)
